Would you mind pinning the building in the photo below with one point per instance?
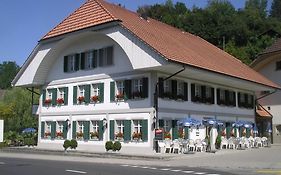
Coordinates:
(268, 64)
(99, 68)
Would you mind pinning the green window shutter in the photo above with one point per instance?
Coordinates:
(228, 129)
(101, 95)
(101, 57)
(212, 96)
(218, 97)
(127, 130)
(128, 89)
(77, 58)
(95, 59)
(74, 95)
(174, 89)
(203, 94)
(74, 130)
(144, 92)
(43, 97)
(65, 64)
(82, 61)
(160, 87)
(65, 98)
(161, 123)
(174, 130)
(112, 91)
(234, 99)
(101, 130)
(42, 129)
(251, 105)
(246, 100)
(144, 130)
(186, 130)
(248, 132)
(54, 96)
(193, 92)
(64, 132)
(86, 130)
(185, 91)
(87, 93)
(239, 101)
(226, 92)
(53, 130)
(111, 130)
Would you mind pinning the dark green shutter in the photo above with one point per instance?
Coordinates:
(101, 130)
(246, 104)
(74, 95)
(228, 129)
(161, 123)
(101, 95)
(144, 92)
(65, 128)
(234, 99)
(42, 129)
(95, 59)
(160, 87)
(111, 130)
(218, 97)
(86, 130)
(101, 57)
(112, 91)
(212, 95)
(174, 130)
(185, 91)
(144, 130)
(203, 94)
(127, 130)
(186, 130)
(248, 132)
(193, 92)
(128, 89)
(53, 130)
(74, 130)
(43, 97)
(239, 99)
(82, 61)
(54, 96)
(65, 64)
(226, 93)
(87, 93)
(174, 89)
(76, 61)
(251, 102)
(65, 98)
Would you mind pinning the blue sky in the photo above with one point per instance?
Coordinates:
(25, 22)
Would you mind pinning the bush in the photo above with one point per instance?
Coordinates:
(109, 145)
(66, 144)
(3, 144)
(117, 146)
(73, 144)
(29, 142)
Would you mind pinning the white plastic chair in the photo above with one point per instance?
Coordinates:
(198, 145)
(191, 145)
(258, 142)
(231, 144)
(224, 143)
(264, 141)
(251, 141)
(176, 147)
(168, 148)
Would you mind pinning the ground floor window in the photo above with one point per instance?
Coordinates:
(54, 130)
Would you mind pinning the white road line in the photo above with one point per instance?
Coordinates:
(165, 169)
(135, 166)
(144, 167)
(175, 170)
(188, 172)
(125, 165)
(199, 173)
(75, 171)
(152, 168)
(2, 163)
(212, 174)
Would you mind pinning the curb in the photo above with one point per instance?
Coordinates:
(76, 153)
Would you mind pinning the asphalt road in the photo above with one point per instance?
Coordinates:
(15, 166)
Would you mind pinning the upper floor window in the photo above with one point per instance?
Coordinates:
(71, 63)
(197, 90)
(105, 56)
(180, 88)
(208, 92)
(278, 65)
(222, 95)
(89, 56)
(167, 86)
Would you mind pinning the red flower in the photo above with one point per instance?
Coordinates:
(120, 96)
(60, 101)
(48, 101)
(81, 99)
(95, 98)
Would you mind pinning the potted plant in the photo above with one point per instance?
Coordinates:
(120, 96)
(48, 101)
(95, 98)
(60, 101)
(94, 135)
(59, 135)
(136, 136)
(47, 134)
(81, 99)
(119, 136)
(223, 133)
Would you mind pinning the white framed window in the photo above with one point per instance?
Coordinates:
(208, 92)
(222, 94)
(94, 126)
(137, 126)
(95, 91)
(105, 56)
(48, 94)
(61, 93)
(80, 126)
(71, 63)
(198, 90)
(59, 127)
(120, 87)
(89, 59)
(81, 91)
(48, 126)
(137, 85)
(120, 126)
(167, 86)
(180, 88)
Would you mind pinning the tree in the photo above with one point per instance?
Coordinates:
(275, 11)
(8, 71)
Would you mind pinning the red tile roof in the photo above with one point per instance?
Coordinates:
(168, 41)
(275, 47)
(261, 112)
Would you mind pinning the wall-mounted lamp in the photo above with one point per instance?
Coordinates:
(104, 121)
(68, 123)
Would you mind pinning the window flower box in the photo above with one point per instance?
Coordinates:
(60, 101)
(167, 135)
(79, 135)
(94, 135)
(59, 135)
(47, 135)
(136, 136)
(119, 136)
(120, 97)
(81, 99)
(95, 98)
(48, 101)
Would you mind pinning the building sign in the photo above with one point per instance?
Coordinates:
(159, 134)
(1, 130)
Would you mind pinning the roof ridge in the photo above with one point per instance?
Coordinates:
(112, 16)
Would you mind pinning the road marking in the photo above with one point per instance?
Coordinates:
(135, 166)
(199, 173)
(144, 167)
(2, 163)
(175, 170)
(212, 174)
(188, 172)
(152, 168)
(125, 165)
(165, 169)
(75, 171)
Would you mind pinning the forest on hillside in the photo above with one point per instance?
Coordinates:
(244, 33)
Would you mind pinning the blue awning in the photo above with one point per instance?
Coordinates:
(189, 122)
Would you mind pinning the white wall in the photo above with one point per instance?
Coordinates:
(1, 130)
